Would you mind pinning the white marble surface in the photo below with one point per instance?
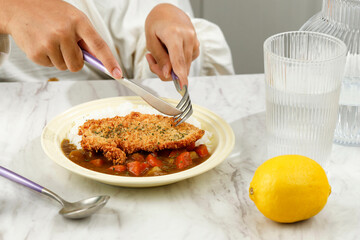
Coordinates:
(214, 205)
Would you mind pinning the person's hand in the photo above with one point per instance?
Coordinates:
(50, 32)
(172, 42)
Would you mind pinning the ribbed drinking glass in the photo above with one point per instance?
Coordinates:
(303, 73)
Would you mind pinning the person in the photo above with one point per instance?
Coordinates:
(135, 39)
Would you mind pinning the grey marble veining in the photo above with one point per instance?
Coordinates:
(214, 205)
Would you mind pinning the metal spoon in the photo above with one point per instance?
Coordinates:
(76, 210)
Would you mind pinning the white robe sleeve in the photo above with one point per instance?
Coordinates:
(214, 58)
(215, 55)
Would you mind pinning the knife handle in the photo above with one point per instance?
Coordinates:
(93, 61)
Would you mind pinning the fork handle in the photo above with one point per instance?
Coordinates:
(176, 81)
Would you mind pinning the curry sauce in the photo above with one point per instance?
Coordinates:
(139, 164)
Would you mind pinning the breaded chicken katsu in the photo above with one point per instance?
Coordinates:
(116, 137)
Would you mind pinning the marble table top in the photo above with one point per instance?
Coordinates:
(214, 205)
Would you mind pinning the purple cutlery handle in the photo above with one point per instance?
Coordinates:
(174, 76)
(6, 173)
(176, 81)
(93, 61)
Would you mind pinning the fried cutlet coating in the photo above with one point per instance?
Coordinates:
(116, 137)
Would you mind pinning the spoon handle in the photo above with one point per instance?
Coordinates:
(6, 173)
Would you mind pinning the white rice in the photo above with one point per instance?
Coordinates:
(122, 110)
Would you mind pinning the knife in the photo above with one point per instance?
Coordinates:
(152, 100)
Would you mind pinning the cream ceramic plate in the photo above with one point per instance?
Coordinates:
(222, 141)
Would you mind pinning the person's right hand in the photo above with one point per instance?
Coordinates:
(172, 42)
(50, 32)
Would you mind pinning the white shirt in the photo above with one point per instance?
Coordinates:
(121, 25)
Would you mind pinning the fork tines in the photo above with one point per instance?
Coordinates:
(185, 106)
(185, 103)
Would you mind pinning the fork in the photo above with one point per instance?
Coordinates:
(185, 103)
(152, 100)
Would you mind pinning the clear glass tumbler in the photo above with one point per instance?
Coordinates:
(303, 74)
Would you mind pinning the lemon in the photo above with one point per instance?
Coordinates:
(289, 188)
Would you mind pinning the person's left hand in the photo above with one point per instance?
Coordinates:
(172, 42)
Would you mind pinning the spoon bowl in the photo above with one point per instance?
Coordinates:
(83, 208)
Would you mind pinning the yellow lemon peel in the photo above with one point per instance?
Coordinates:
(289, 188)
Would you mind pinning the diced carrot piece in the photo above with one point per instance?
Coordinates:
(137, 157)
(144, 167)
(97, 162)
(183, 160)
(202, 150)
(137, 168)
(190, 147)
(118, 168)
(176, 152)
(153, 161)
